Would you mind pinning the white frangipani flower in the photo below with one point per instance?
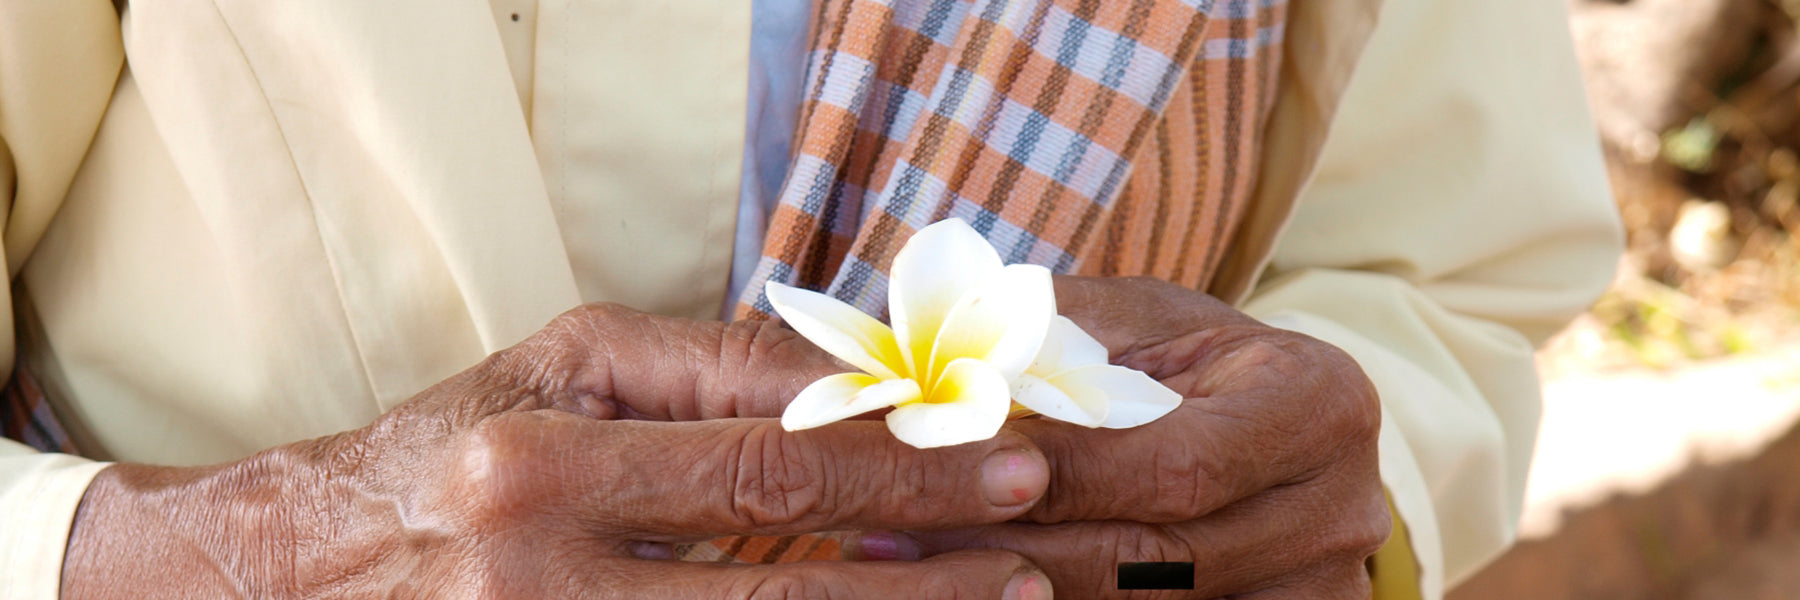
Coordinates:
(1072, 381)
(970, 335)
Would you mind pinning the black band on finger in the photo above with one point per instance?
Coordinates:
(1156, 576)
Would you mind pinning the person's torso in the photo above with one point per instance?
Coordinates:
(296, 216)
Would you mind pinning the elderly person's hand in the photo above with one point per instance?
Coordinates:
(563, 468)
(1265, 477)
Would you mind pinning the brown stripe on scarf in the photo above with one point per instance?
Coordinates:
(1184, 162)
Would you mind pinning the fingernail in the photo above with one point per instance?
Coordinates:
(1027, 586)
(1013, 477)
(651, 550)
(877, 545)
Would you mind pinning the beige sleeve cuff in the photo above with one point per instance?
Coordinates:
(1451, 451)
(38, 496)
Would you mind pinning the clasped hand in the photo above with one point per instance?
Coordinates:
(566, 466)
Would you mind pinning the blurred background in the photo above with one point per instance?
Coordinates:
(1668, 464)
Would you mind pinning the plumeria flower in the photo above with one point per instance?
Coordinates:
(970, 336)
(1072, 381)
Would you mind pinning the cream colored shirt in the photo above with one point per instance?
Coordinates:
(268, 223)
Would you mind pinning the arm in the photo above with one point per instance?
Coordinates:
(58, 62)
(562, 467)
(1458, 217)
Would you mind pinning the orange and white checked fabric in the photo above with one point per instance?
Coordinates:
(1101, 137)
(1091, 137)
(1088, 136)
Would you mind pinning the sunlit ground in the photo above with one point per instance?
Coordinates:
(1628, 429)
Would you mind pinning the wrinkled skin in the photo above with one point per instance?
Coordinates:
(1266, 477)
(561, 468)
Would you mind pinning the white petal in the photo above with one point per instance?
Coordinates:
(1132, 398)
(839, 328)
(1046, 399)
(842, 396)
(1002, 322)
(1067, 346)
(969, 404)
(934, 269)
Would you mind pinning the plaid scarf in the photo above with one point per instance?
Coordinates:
(1088, 136)
(1101, 138)
(1091, 137)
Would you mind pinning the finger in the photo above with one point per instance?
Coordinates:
(1269, 541)
(678, 482)
(607, 361)
(1207, 453)
(879, 545)
(1083, 558)
(1195, 343)
(973, 574)
(1341, 582)
(1129, 313)
(1264, 408)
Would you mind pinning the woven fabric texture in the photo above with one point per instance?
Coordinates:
(1090, 137)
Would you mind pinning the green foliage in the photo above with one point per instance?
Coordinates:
(1661, 327)
(1691, 148)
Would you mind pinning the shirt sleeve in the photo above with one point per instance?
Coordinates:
(1459, 215)
(58, 63)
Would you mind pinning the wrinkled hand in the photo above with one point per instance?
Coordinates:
(563, 467)
(1265, 477)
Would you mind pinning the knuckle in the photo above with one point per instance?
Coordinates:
(777, 478)
(595, 314)
(1265, 354)
(755, 338)
(501, 474)
(1371, 529)
(1184, 482)
(573, 351)
(766, 352)
(1149, 543)
(578, 329)
(1272, 352)
(1359, 406)
(570, 330)
(549, 358)
(489, 471)
(1357, 529)
(771, 343)
(1345, 412)
(1133, 543)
